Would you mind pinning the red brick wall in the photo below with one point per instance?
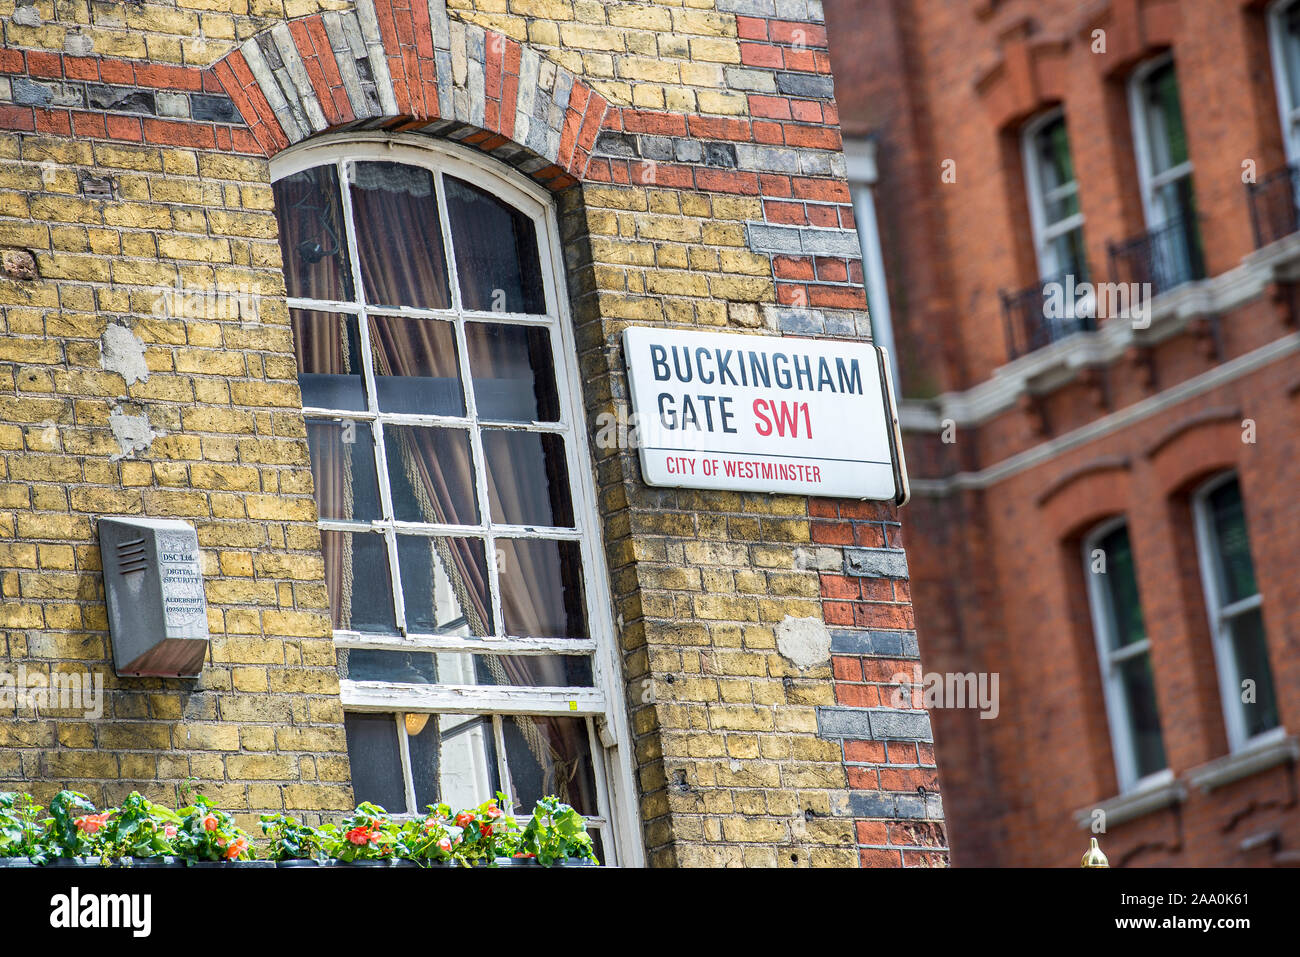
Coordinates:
(894, 780)
(995, 566)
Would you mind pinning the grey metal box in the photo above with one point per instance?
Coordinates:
(153, 585)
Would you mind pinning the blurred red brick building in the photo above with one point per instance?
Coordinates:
(1080, 233)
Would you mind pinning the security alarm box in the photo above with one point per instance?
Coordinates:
(153, 585)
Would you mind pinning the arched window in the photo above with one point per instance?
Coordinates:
(1234, 604)
(1054, 199)
(1284, 39)
(1125, 654)
(457, 519)
(1173, 248)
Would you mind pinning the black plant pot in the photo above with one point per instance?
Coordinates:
(533, 862)
(74, 862)
(300, 862)
(149, 862)
(230, 864)
(16, 862)
(386, 863)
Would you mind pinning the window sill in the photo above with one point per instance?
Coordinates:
(1160, 791)
(1267, 751)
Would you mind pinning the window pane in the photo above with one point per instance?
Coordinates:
(444, 585)
(1056, 172)
(431, 475)
(399, 236)
(550, 755)
(496, 252)
(528, 479)
(343, 469)
(541, 588)
(1066, 255)
(312, 243)
(356, 574)
(453, 759)
(328, 351)
(1120, 581)
(1166, 137)
(458, 668)
(513, 371)
(1228, 516)
(1291, 51)
(416, 366)
(1144, 718)
(376, 761)
(1251, 652)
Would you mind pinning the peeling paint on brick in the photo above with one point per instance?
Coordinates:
(122, 351)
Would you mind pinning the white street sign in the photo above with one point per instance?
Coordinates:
(764, 414)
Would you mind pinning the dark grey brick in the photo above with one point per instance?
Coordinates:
(270, 52)
(27, 93)
(834, 722)
(885, 804)
(720, 154)
(933, 806)
(831, 242)
(800, 321)
(611, 143)
(873, 724)
(213, 108)
(861, 641)
(839, 324)
(887, 642)
(753, 8)
(888, 724)
(852, 641)
(805, 84)
(688, 151)
(660, 148)
(875, 562)
(774, 239)
(121, 99)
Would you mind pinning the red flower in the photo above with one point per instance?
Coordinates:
(91, 823)
(445, 845)
(359, 836)
(210, 823)
(485, 829)
(236, 848)
(464, 819)
(494, 812)
(169, 830)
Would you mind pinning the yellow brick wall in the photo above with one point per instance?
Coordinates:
(731, 768)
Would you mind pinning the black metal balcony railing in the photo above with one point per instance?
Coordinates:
(1273, 206)
(1166, 256)
(1044, 313)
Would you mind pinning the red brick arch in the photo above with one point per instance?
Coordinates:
(1197, 448)
(380, 66)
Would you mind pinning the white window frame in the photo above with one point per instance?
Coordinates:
(1045, 232)
(1123, 746)
(1220, 614)
(1288, 110)
(860, 158)
(1149, 181)
(602, 704)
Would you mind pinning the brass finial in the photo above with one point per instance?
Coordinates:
(1093, 857)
